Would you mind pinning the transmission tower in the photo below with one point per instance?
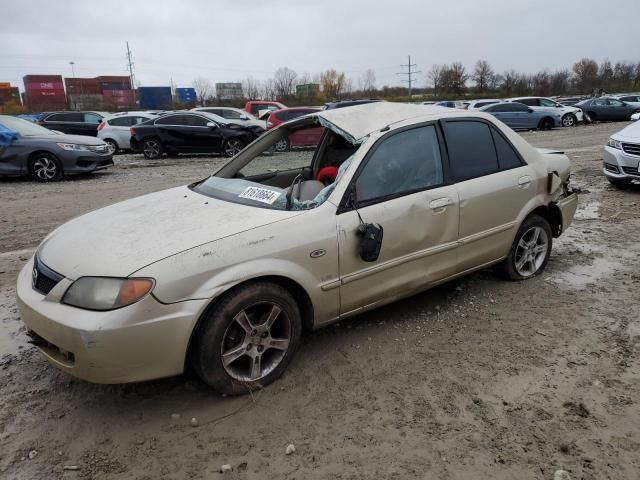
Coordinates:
(409, 73)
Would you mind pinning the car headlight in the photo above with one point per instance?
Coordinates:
(106, 293)
(72, 146)
(613, 143)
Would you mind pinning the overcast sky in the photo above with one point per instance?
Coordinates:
(227, 40)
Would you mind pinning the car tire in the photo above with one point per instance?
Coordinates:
(237, 325)
(232, 147)
(546, 124)
(282, 145)
(529, 252)
(152, 148)
(621, 183)
(113, 146)
(569, 120)
(45, 167)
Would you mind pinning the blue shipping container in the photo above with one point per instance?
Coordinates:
(154, 98)
(186, 95)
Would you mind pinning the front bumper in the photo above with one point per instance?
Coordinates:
(84, 161)
(620, 165)
(143, 341)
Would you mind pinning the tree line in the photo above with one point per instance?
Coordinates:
(585, 77)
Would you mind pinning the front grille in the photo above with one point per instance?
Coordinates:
(631, 170)
(98, 148)
(611, 168)
(43, 279)
(631, 148)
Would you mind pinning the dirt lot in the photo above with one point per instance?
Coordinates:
(476, 379)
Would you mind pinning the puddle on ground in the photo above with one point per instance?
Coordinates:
(12, 338)
(579, 276)
(588, 211)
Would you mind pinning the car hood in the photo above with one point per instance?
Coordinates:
(630, 133)
(120, 239)
(64, 138)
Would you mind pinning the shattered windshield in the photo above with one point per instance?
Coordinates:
(247, 192)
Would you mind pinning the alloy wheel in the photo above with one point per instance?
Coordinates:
(281, 145)
(568, 120)
(111, 145)
(256, 341)
(151, 149)
(232, 147)
(531, 251)
(45, 168)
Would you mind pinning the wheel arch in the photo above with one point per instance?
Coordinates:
(551, 213)
(113, 140)
(297, 291)
(39, 151)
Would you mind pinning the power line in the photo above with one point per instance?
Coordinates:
(409, 73)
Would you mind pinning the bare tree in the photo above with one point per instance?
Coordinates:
(605, 74)
(435, 75)
(368, 81)
(483, 76)
(541, 83)
(284, 82)
(251, 88)
(268, 89)
(560, 81)
(586, 74)
(454, 78)
(203, 88)
(332, 83)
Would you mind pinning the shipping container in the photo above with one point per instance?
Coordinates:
(82, 86)
(118, 99)
(5, 85)
(186, 95)
(41, 78)
(44, 92)
(92, 101)
(114, 83)
(154, 98)
(8, 95)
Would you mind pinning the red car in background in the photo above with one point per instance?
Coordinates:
(308, 137)
(254, 107)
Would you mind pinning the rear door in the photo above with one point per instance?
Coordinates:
(120, 130)
(619, 110)
(493, 184)
(399, 185)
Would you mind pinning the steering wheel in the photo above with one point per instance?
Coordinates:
(327, 175)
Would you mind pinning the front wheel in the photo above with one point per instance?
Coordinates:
(247, 340)
(529, 252)
(282, 145)
(569, 120)
(152, 148)
(232, 147)
(546, 124)
(111, 145)
(45, 167)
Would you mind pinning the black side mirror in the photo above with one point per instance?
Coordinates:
(212, 125)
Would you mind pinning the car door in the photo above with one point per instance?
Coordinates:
(401, 186)
(206, 139)
(174, 132)
(619, 110)
(524, 116)
(600, 108)
(64, 122)
(493, 184)
(120, 130)
(504, 113)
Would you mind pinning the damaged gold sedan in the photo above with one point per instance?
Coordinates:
(224, 274)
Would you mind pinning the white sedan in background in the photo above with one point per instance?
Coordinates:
(116, 129)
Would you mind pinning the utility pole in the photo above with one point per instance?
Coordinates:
(409, 73)
(130, 65)
(73, 71)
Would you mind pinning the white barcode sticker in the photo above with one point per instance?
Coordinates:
(263, 195)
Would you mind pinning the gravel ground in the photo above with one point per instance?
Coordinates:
(478, 378)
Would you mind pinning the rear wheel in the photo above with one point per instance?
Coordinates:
(45, 167)
(152, 148)
(569, 120)
(247, 340)
(113, 146)
(530, 250)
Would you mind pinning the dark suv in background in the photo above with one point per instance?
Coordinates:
(73, 123)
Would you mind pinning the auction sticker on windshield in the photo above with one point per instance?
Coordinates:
(263, 195)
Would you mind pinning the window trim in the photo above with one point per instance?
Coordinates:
(492, 128)
(155, 122)
(345, 204)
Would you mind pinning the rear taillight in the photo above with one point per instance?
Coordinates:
(101, 126)
(133, 132)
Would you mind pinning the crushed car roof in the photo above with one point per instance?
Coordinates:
(359, 121)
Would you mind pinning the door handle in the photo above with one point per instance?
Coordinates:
(439, 203)
(524, 181)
